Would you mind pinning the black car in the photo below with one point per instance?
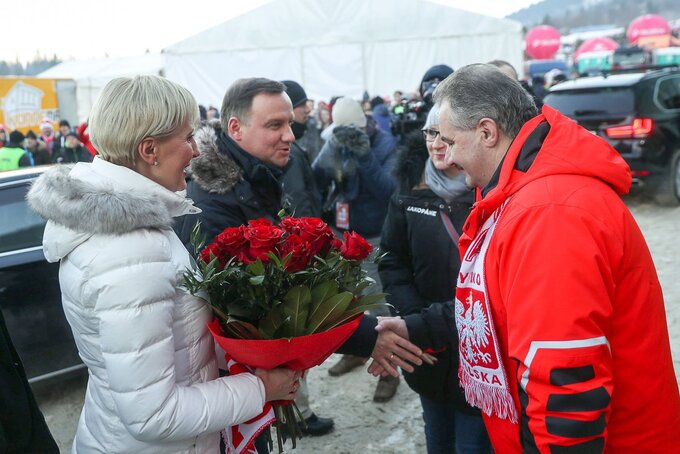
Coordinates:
(30, 297)
(639, 115)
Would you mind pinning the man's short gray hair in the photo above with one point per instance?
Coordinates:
(481, 91)
(238, 100)
(128, 110)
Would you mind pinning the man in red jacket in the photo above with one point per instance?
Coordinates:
(562, 329)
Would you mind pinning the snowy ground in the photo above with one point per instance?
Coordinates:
(396, 426)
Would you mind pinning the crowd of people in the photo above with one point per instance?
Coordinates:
(66, 145)
(514, 271)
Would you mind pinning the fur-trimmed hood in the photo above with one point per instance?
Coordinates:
(100, 198)
(410, 162)
(213, 171)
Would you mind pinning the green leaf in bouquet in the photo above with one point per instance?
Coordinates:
(323, 291)
(240, 329)
(367, 299)
(277, 261)
(256, 268)
(328, 310)
(349, 314)
(256, 280)
(361, 286)
(296, 307)
(271, 324)
(244, 309)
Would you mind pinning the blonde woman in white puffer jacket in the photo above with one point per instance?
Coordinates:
(153, 380)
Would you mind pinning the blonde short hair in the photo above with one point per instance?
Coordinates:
(129, 110)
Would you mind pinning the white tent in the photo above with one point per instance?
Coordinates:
(92, 75)
(339, 47)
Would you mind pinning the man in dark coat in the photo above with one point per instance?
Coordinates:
(71, 152)
(299, 186)
(36, 152)
(237, 177)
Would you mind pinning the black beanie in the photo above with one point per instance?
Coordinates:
(440, 72)
(295, 92)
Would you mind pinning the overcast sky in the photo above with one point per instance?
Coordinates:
(78, 29)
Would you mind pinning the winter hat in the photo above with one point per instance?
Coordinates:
(295, 92)
(440, 72)
(347, 111)
(16, 137)
(432, 117)
(2, 127)
(46, 124)
(72, 134)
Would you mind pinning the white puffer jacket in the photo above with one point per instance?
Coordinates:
(153, 384)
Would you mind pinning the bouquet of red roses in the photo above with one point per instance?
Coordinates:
(283, 295)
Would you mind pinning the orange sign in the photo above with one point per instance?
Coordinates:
(26, 101)
(654, 41)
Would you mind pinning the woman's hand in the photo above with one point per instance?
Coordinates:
(279, 384)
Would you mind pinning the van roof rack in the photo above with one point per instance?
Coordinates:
(637, 69)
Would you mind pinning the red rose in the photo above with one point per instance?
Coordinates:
(290, 225)
(213, 249)
(263, 239)
(355, 247)
(233, 243)
(317, 233)
(300, 251)
(259, 222)
(336, 244)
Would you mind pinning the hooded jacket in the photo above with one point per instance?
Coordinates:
(421, 262)
(574, 298)
(230, 186)
(153, 383)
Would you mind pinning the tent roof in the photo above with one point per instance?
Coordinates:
(320, 22)
(106, 68)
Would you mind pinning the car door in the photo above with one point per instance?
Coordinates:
(30, 297)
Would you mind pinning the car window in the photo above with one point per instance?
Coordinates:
(668, 93)
(20, 227)
(597, 101)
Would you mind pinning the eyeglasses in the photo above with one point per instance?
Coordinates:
(430, 134)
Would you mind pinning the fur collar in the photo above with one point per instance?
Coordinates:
(109, 205)
(213, 171)
(410, 162)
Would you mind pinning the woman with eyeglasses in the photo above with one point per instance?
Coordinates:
(418, 272)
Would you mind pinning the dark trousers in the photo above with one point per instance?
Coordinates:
(449, 430)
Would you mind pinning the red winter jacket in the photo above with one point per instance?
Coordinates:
(566, 265)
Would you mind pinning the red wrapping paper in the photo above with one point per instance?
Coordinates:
(298, 353)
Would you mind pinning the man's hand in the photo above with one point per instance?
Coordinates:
(392, 349)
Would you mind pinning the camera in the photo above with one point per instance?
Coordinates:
(409, 117)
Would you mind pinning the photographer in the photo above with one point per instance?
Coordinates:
(412, 115)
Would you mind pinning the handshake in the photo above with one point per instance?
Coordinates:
(393, 349)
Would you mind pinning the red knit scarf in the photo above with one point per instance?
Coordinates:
(481, 372)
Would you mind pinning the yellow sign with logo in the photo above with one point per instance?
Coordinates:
(25, 102)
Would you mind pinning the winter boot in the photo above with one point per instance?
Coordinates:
(387, 387)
